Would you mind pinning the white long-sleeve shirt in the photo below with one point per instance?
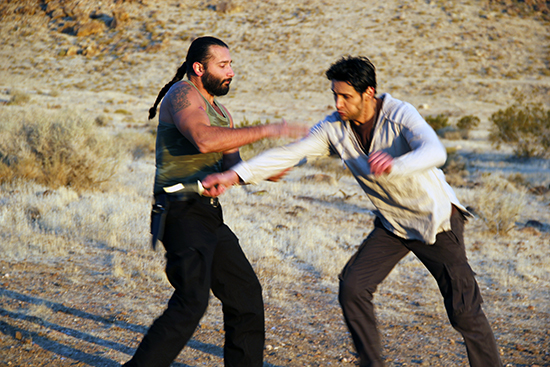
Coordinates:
(413, 201)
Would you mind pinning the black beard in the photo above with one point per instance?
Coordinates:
(213, 86)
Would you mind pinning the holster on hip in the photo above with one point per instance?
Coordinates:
(158, 218)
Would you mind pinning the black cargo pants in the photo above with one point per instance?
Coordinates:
(203, 254)
(446, 260)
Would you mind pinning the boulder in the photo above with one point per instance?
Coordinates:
(88, 28)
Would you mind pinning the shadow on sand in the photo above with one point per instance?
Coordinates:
(71, 352)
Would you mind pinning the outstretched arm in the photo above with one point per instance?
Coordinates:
(186, 108)
(270, 164)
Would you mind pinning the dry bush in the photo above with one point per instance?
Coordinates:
(518, 180)
(18, 97)
(451, 133)
(454, 132)
(455, 168)
(437, 122)
(523, 8)
(20, 10)
(101, 120)
(138, 144)
(524, 126)
(467, 123)
(55, 149)
(498, 204)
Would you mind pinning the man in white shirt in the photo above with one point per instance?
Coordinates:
(394, 154)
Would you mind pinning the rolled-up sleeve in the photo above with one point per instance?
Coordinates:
(273, 161)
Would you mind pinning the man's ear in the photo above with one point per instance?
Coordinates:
(370, 92)
(198, 68)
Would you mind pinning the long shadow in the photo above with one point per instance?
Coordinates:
(57, 307)
(70, 352)
(57, 348)
(67, 331)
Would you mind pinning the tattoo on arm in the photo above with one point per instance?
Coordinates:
(179, 98)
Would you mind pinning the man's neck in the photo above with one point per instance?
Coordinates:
(372, 107)
(198, 83)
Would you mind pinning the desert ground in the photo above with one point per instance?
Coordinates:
(79, 283)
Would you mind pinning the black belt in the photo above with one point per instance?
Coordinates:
(192, 197)
(161, 206)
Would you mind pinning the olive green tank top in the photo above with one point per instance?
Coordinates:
(178, 160)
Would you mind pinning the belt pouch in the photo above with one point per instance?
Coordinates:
(158, 218)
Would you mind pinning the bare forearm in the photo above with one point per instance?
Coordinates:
(220, 139)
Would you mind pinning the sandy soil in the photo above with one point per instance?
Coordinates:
(457, 58)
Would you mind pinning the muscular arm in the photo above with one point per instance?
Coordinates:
(268, 163)
(187, 111)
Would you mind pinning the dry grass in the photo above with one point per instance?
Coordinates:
(55, 149)
(24, 206)
(87, 253)
(50, 225)
(18, 97)
(140, 144)
(499, 204)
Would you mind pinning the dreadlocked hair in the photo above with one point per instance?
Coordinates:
(182, 70)
(199, 51)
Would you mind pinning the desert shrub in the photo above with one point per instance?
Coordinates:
(464, 125)
(18, 97)
(451, 133)
(455, 168)
(122, 111)
(55, 149)
(138, 144)
(467, 122)
(101, 120)
(524, 126)
(523, 8)
(437, 122)
(518, 180)
(498, 204)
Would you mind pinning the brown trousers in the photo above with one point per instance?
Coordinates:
(446, 260)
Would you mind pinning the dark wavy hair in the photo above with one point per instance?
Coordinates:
(358, 71)
(199, 51)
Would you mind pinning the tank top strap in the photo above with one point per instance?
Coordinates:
(211, 111)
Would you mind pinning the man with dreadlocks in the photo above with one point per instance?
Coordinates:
(195, 137)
